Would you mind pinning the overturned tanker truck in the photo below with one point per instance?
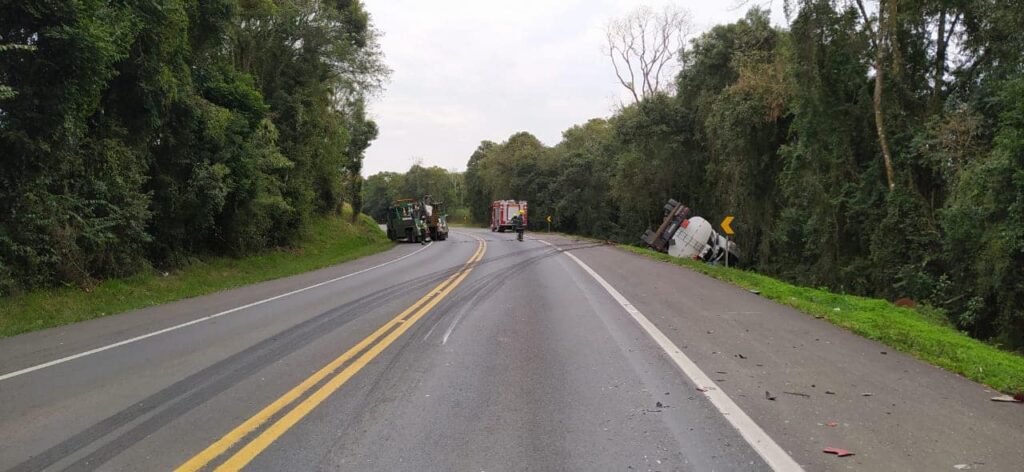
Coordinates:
(690, 237)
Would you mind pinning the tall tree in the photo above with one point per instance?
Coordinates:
(643, 46)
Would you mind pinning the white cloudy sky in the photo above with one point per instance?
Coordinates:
(469, 70)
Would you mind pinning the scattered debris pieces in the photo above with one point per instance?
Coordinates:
(704, 389)
(755, 292)
(905, 302)
(866, 394)
(829, 392)
(741, 356)
(769, 395)
(831, 424)
(1008, 399)
(659, 405)
(884, 353)
(837, 451)
(962, 467)
(799, 394)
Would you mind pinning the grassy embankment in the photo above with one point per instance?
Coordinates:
(328, 241)
(921, 332)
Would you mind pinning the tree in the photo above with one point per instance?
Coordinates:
(642, 47)
(880, 31)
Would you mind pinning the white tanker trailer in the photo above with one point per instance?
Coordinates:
(690, 237)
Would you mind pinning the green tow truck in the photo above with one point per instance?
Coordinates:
(414, 220)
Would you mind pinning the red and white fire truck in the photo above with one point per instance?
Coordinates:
(502, 212)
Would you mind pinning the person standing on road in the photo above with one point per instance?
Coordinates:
(517, 224)
(420, 219)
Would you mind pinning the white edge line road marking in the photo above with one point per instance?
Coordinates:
(199, 320)
(768, 449)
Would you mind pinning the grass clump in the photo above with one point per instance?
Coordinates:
(921, 332)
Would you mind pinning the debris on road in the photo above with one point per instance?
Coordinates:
(1009, 399)
(769, 396)
(755, 292)
(831, 424)
(829, 392)
(837, 451)
(741, 356)
(705, 389)
(962, 467)
(866, 394)
(799, 394)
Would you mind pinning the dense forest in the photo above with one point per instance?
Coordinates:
(140, 134)
(875, 151)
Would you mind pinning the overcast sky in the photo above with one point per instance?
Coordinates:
(469, 70)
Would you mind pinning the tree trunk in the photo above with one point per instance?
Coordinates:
(940, 64)
(883, 140)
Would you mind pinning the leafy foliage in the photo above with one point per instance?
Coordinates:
(140, 133)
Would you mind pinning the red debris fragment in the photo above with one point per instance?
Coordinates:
(832, 424)
(837, 451)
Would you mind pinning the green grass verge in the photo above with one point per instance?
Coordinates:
(328, 241)
(921, 332)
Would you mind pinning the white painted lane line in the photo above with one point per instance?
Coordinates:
(199, 320)
(777, 458)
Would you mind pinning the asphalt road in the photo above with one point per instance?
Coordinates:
(484, 353)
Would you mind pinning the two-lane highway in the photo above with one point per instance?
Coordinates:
(477, 353)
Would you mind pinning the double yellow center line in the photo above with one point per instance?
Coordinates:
(363, 352)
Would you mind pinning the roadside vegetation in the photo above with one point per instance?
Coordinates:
(923, 332)
(873, 148)
(325, 241)
(146, 134)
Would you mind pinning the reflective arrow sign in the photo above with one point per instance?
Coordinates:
(726, 225)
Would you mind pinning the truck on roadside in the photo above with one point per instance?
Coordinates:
(502, 212)
(403, 216)
(415, 220)
(690, 237)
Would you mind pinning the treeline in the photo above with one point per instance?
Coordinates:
(449, 187)
(138, 133)
(778, 127)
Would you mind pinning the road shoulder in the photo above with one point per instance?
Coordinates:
(893, 411)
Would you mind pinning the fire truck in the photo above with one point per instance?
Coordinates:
(502, 212)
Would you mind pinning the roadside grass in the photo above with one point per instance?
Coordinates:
(922, 332)
(328, 241)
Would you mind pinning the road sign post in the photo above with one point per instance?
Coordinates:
(549, 223)
(727, 228)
